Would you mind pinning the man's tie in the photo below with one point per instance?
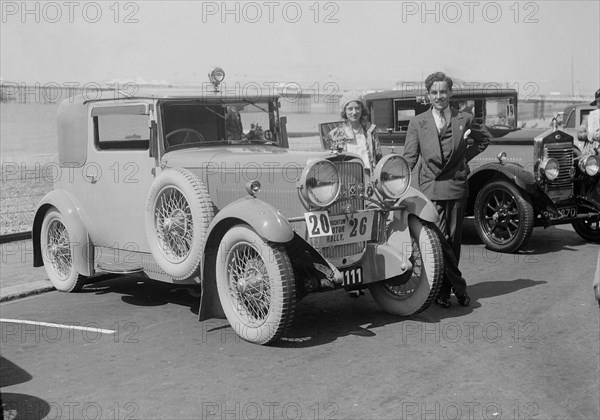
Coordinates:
(442, 121)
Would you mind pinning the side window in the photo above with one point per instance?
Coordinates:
(403, 117)
(121, 129)
(583, 116)
(405, 110)
(499, 111)
(380, 114)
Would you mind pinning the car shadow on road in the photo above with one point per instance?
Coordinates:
(319, 318)
(327, 317)
(144, 292)
(477, 291)
(542, 241)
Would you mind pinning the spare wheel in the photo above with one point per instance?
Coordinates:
(178, 212)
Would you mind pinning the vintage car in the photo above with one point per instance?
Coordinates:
(202, 188)
(573, 115)
(570, 121)
(525, 178)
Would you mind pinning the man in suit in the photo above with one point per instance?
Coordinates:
(439, 137)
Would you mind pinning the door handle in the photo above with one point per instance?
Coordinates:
(91, 178)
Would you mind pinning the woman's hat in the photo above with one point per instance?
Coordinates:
(596, 97)
(350, 97)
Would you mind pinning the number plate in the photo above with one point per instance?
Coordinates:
(566, 213)
(352, 276)
(342, 228)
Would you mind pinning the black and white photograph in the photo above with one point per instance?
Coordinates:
(315, 210)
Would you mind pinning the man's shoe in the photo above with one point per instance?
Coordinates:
(442, 302)
(355, 293)
(464, 300)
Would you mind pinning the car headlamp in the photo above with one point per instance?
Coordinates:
(320, 183)
(501, 157)
(589, 164)
(549, 168)
(216, 76)
(392, 176)
(253, 187)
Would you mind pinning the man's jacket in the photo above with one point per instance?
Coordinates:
(439, 178)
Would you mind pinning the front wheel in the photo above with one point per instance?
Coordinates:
(414, 291)
(588, 230)
(503, 216)
(256, 285)
(58, 253)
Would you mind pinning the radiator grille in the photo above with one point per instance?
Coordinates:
(562, 186)
(352, 181)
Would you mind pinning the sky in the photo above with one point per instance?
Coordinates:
(537, 47)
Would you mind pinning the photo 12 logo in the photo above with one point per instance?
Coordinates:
(69, 11)
(470, 12)
(270, 12)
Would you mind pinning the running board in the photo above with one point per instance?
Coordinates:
(119, 268)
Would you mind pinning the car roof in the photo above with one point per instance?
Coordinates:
(207, 96)
(462, 92)
(582, 105)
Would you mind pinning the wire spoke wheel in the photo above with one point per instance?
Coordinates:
(256, 286)
(413, 291)
(178, 213)
(404, 286)
(59, 252)
(174, 224)
(249, 283)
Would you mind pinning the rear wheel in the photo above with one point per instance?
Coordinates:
(414, 291)
(256, 285)
(58, 253)
(588, 230)
(503, 216)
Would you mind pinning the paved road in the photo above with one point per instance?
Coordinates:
(526, 348)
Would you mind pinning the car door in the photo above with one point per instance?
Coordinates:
(118, 174)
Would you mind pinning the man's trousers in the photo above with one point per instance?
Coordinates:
(452, 214)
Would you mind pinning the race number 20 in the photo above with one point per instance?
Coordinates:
(318, 223)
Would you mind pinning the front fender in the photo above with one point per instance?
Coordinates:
(392, 258)
(265, 219)
(514, 172)
(78, 234)
(416, 203)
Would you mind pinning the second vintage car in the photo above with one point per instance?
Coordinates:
(201, 188)
(525, 178)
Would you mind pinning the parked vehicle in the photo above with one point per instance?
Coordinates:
(526, 177)
(201, 188)
(585, 187)
(573, 115)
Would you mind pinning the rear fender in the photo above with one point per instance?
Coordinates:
(78, 235)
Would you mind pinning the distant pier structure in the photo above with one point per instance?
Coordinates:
(294, 100)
